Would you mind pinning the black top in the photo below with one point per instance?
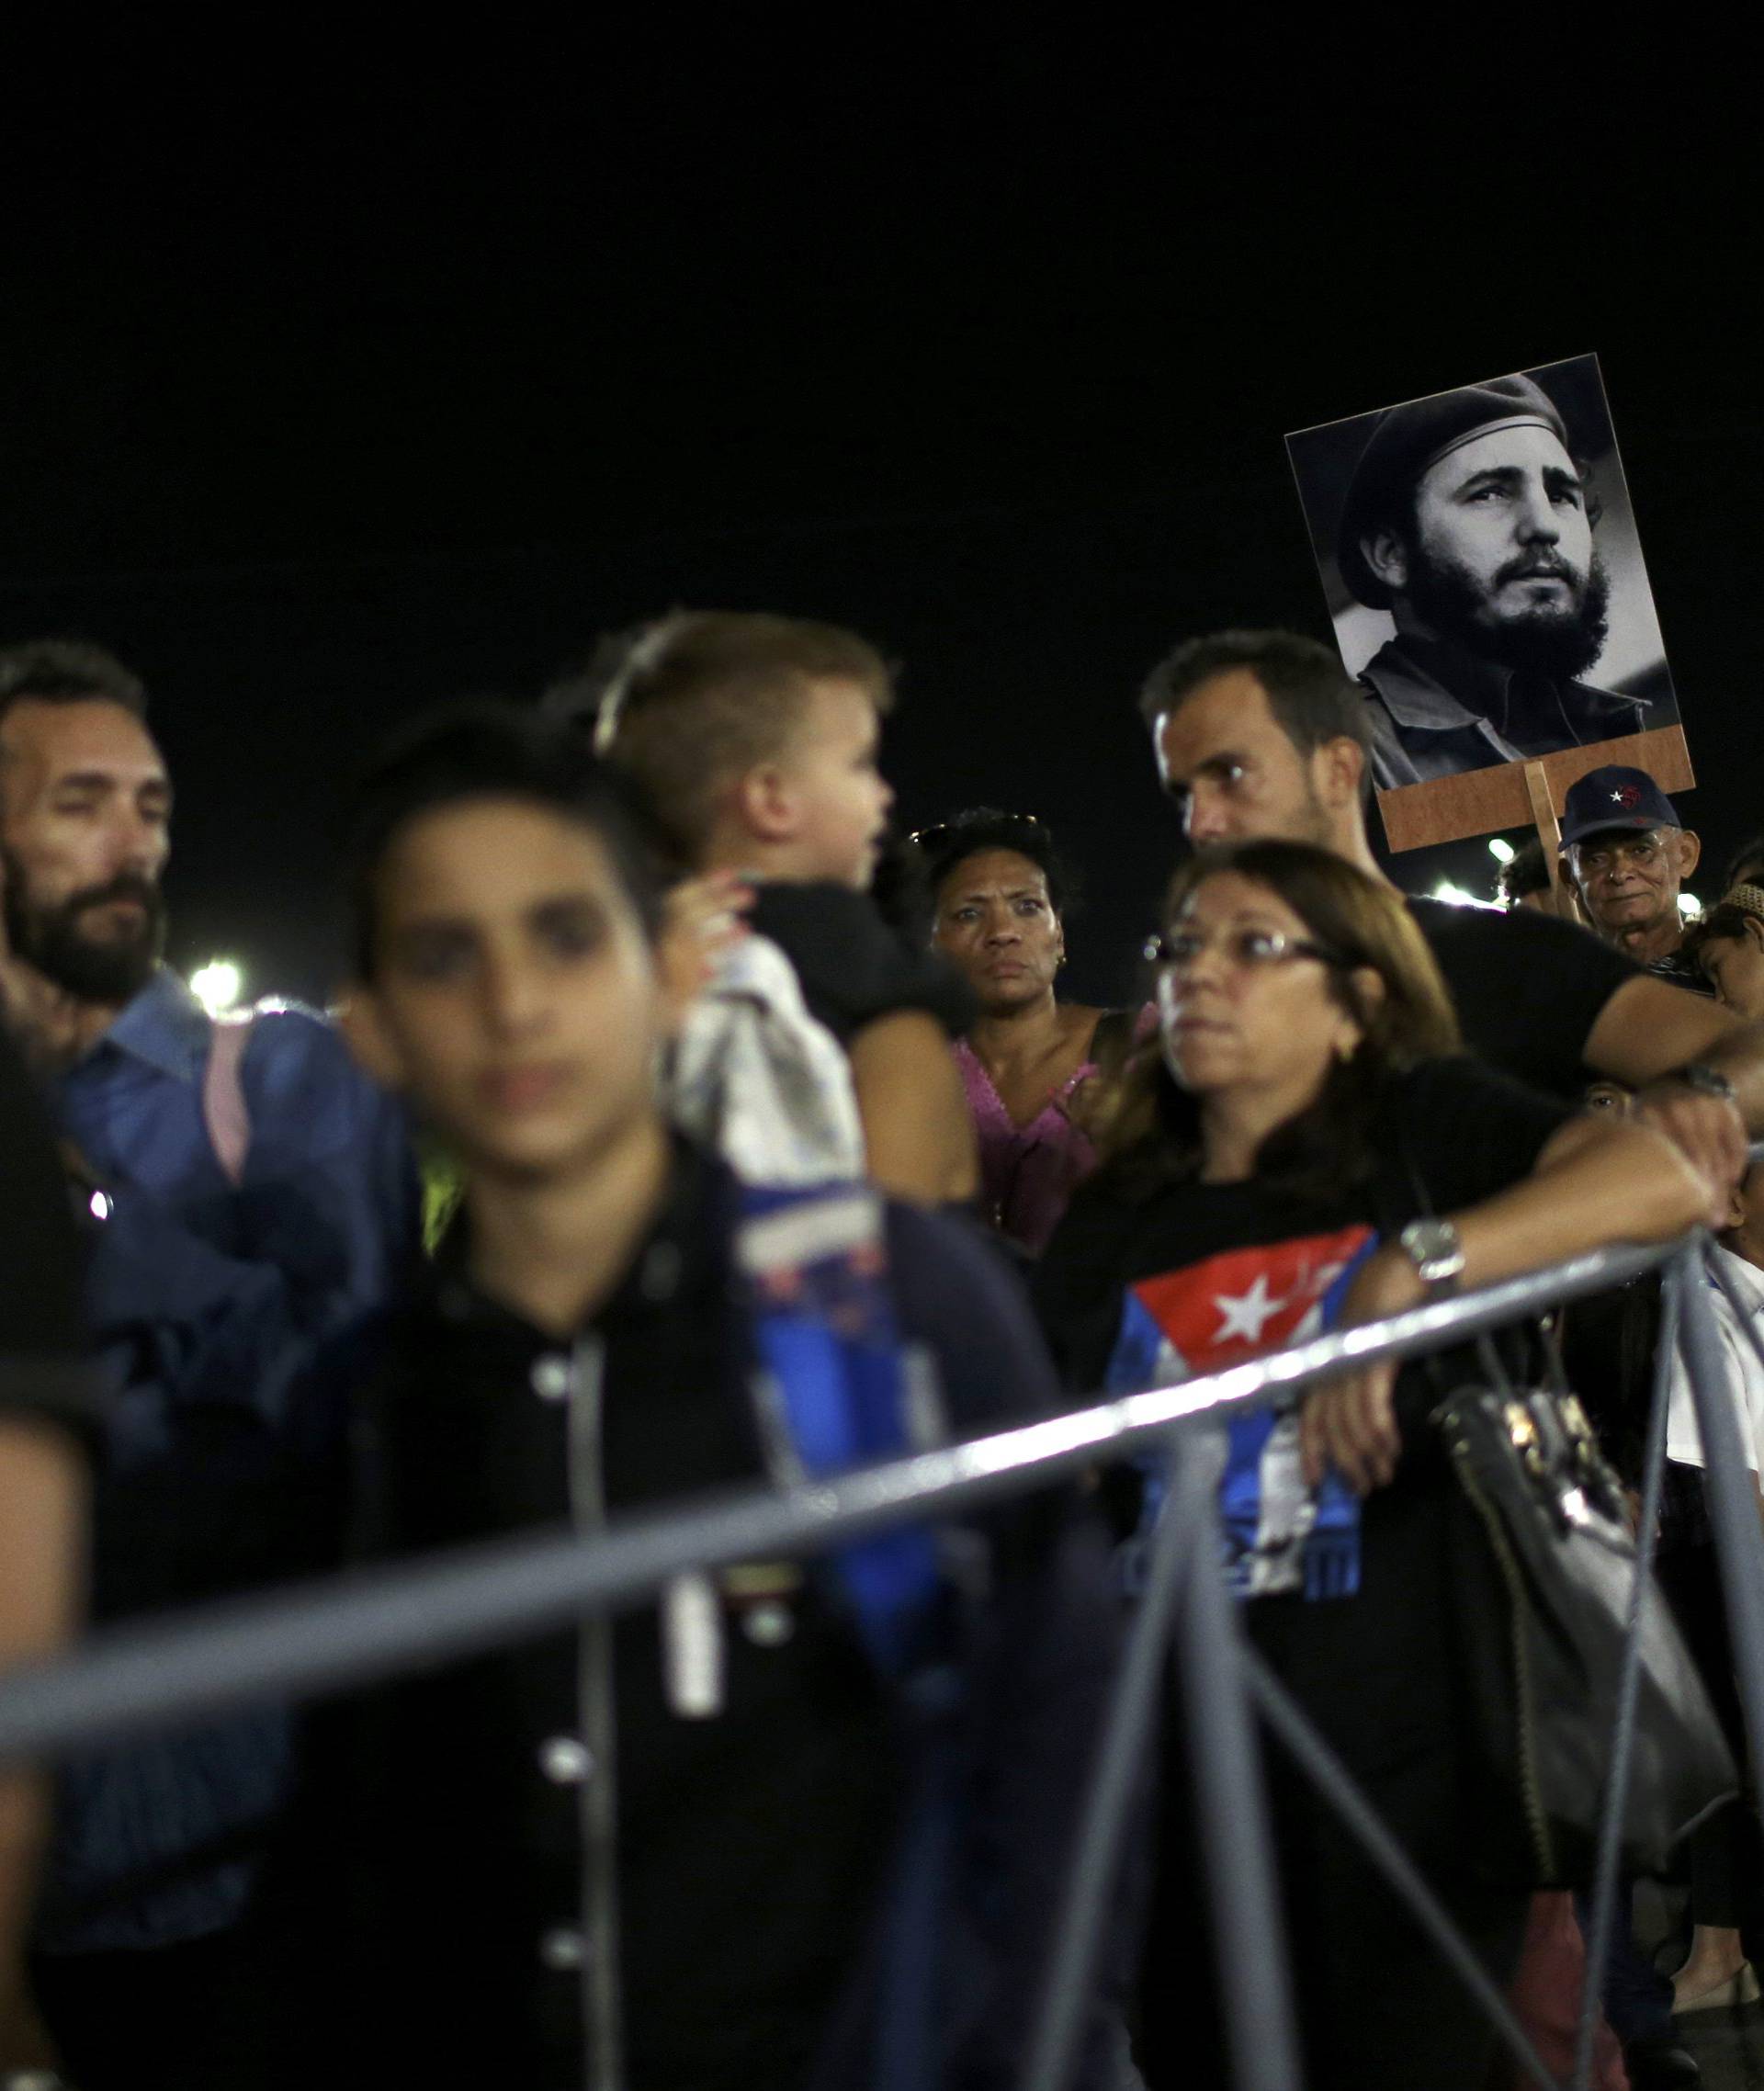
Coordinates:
(1469, 1131)
(1230, 1270)
(1529, 988)
(753, 1845)
(41, 1339)
(852, 967)
(1437, 710)
(1682, 972)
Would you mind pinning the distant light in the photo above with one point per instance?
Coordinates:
(217, 985)
(1501, 850)
(1456, 895)
(1688, 904)
(98, 1205)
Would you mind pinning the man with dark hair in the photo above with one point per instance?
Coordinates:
(1469, 520)
(794, 1824)
(1535, 995)
(250, 1190)
(53, 668)
(1630, 855)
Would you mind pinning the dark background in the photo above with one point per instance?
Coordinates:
(336, 380)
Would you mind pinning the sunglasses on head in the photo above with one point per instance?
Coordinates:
(941, 832)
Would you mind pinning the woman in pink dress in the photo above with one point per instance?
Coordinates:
(1033, 1067)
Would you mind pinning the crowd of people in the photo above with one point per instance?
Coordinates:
(679, 1127)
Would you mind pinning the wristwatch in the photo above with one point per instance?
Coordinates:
(1706, 1080)
(1435, 1251)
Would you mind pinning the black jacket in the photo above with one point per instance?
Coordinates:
(547, 1868)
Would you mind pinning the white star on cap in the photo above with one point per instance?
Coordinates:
(1245, 1314)
(1617, 798)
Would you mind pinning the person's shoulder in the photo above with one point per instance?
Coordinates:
(957, 1294)
(809, 919)
(1521, 933)
(851, 965)
(291, 1053)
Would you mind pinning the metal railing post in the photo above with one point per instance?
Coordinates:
(1230, 1802)
(1314, 1756)
(1607, 1864)
(1728, 1488)
(1128, 1726)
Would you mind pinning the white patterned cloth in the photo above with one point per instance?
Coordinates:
(1744, 1371)
(758, 1078)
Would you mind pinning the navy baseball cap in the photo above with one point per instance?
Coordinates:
(1614, 797)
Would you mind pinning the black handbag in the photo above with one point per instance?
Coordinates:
(1544, 1572)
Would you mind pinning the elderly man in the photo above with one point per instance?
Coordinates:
(1630, 856)
(1468, 519)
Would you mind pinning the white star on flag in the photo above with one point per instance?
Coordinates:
(1245, 1314)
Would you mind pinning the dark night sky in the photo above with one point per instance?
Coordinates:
(326, 395)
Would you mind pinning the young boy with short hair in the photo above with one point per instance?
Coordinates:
(671, 1851)
(753, 742)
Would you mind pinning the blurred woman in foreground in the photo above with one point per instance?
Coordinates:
(1314, 1149)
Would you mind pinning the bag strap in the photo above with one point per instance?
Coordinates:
(224, 1110)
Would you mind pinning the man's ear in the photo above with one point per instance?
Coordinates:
(1387, 556)
(765, 803)
(1339, 772)
(1689, 851)
(363, 1025)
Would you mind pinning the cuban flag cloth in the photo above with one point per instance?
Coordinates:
(1279, 1536)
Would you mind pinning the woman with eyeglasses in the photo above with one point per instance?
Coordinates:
(1031, 1064)
(1312, 1147)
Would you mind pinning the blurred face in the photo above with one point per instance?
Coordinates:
(84, 832)
(516, 997)
(995, 920)
(1226, 760)
(1502, 557)
(840, 797)
(1244, 1005)
(1734, 968)
(1630, 881)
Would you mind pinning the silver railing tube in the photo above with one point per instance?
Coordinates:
(352, 1629)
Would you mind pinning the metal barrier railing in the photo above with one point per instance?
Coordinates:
(358, 1628)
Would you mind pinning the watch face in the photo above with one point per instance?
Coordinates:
(1434, 1248)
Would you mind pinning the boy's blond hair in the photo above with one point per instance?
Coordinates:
(702, 695)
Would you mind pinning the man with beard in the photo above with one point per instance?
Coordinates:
(250, 1191)
(1468, 519)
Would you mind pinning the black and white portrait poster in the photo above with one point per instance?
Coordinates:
(1483, 571)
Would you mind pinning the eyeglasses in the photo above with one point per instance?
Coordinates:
(1249, 950)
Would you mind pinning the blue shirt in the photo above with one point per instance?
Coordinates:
(207, 1297)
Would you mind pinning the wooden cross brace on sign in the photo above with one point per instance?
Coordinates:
(1483, 802)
